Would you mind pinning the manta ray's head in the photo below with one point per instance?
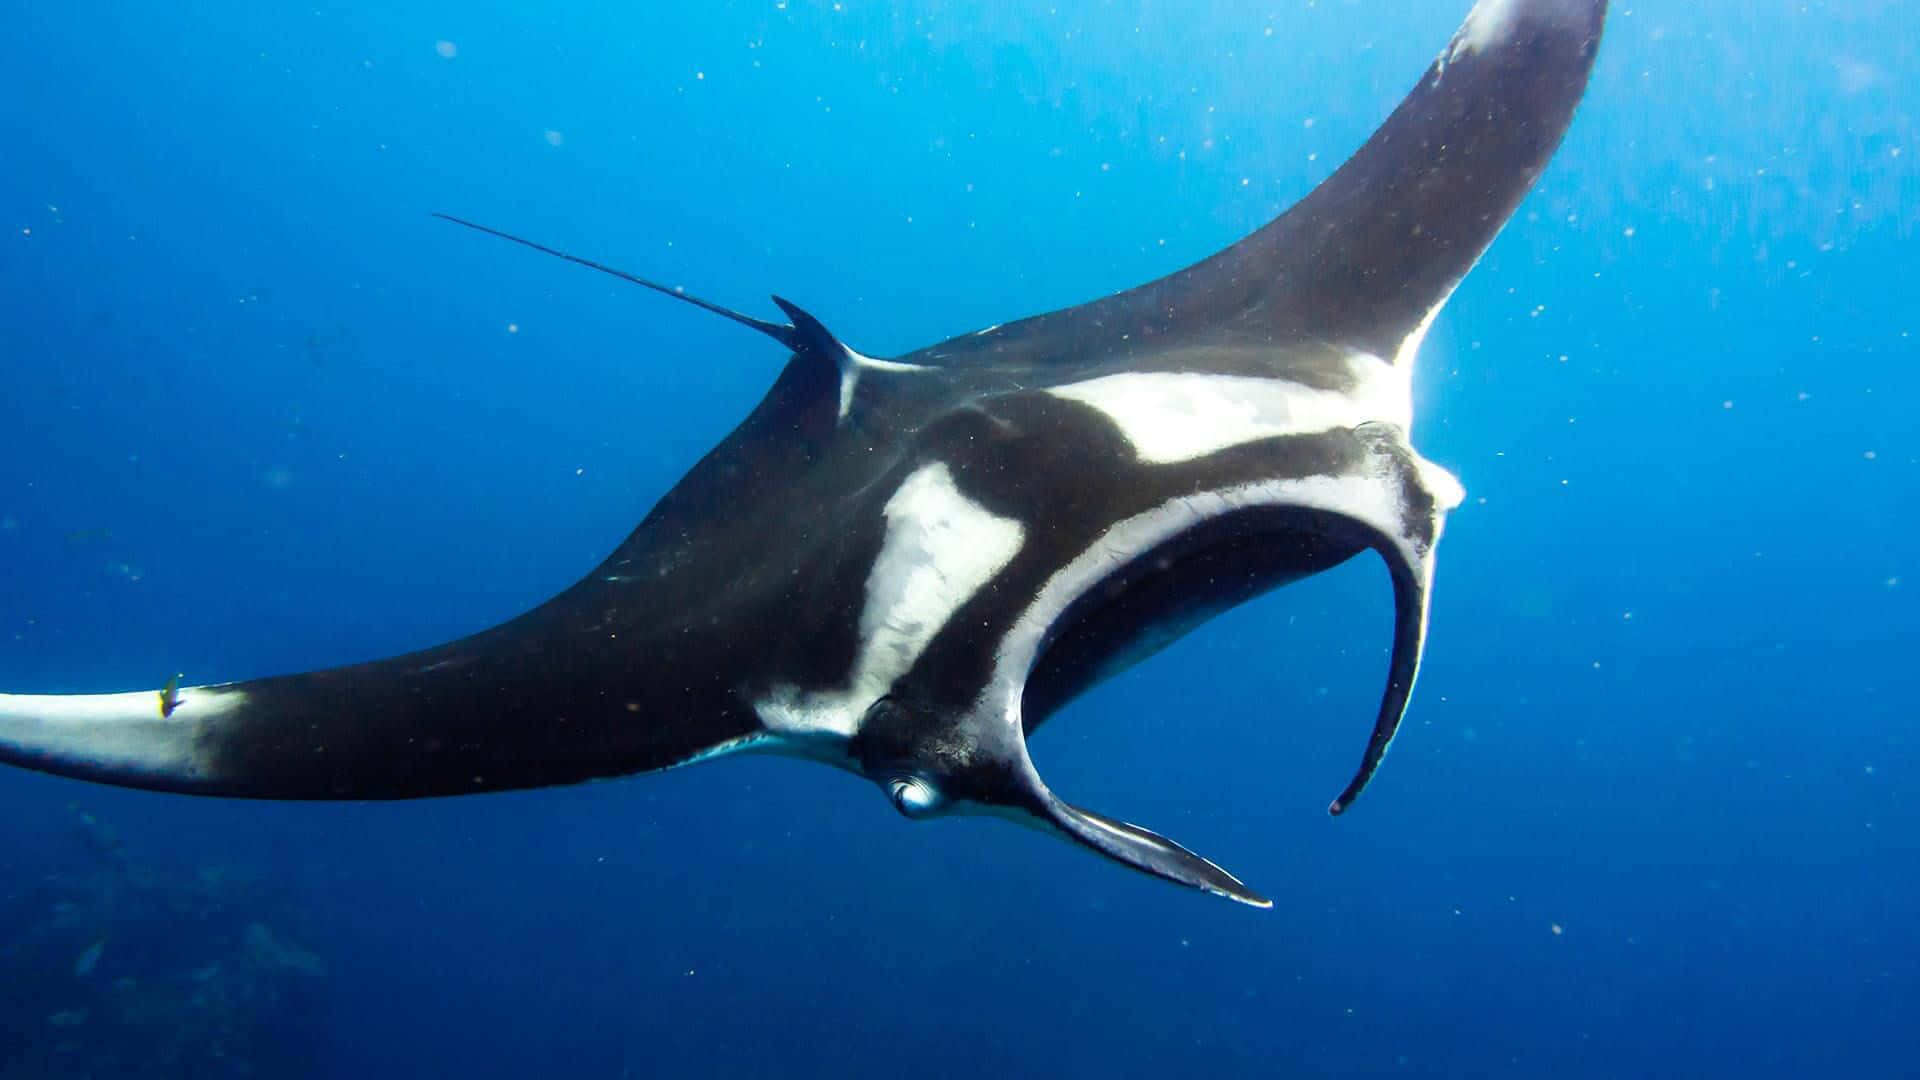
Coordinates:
(930, 762)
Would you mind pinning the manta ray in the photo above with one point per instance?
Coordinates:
(903, 566)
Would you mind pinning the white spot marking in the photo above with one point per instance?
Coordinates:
(1488, 24)
(852, 363)
(120, 733)
(877, 364)
(941, 548)
(1172, 417)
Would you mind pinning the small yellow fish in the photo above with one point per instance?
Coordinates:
(170, 697)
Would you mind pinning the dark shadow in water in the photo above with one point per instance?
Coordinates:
(109, 967)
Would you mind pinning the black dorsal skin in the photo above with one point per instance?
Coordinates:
(903, 566)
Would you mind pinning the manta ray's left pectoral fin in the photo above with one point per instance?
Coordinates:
(1147, 851)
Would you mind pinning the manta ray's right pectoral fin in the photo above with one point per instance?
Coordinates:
(1147, 851)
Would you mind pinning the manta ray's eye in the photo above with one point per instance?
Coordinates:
(913, 796)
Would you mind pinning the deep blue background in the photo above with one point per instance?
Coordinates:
(259, 412)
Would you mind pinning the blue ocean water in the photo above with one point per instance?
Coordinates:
(1654, 810)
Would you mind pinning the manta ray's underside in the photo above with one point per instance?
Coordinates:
(902, 567)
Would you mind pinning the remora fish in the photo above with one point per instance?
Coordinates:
(903, 566)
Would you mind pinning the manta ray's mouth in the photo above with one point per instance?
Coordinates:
(1149, 601)
(1137, 604)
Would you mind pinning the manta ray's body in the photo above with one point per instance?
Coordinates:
(902, 567)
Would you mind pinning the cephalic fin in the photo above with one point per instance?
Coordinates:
(1145, 850)
(1412, 583)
